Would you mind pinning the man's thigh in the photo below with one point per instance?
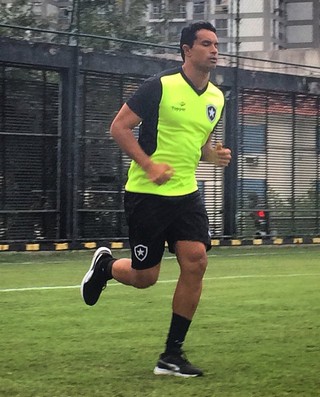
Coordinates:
(191, 223)
(147, 218)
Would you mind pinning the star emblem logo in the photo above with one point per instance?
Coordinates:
(211, 112)
(140, 252)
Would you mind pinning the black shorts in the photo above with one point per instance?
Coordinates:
(153, 220)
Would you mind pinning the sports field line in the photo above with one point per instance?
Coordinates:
(169, 257)
(166, 281)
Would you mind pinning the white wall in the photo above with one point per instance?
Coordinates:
(251, 27)
(251, 46)
(251, 6)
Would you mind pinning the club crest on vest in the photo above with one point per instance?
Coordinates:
(140, 252)
(211, 112)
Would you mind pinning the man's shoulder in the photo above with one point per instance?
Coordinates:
(170, 72)
(148, 94)
(164, 73)
(213, 88)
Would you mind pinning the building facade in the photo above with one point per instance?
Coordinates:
(259, 25)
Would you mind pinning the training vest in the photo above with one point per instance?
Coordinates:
(177, 120)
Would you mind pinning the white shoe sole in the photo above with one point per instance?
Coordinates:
(162, 371)
(86, 278)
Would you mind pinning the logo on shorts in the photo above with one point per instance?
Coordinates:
(211, 112)
(140, 252)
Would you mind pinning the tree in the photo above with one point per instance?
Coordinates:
(20, 13)
(119, 19)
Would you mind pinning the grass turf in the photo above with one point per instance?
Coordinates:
(256, 331)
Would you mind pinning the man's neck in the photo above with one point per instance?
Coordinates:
(198, 78)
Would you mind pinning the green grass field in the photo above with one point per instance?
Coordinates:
(256, 332)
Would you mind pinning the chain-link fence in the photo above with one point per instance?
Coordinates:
(62, 176)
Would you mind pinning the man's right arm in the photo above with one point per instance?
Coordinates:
(122, 132)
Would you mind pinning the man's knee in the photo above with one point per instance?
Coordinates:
(144, 282)
(146, 278)
(194, 261)
(198, 263)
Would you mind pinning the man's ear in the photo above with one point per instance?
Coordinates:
(186, 49)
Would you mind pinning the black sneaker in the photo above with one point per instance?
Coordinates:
(177, 365)
(95, 280)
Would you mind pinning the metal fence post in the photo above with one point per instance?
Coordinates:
(231, 173)
(231, 141)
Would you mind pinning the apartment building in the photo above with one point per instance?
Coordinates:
(260, 25)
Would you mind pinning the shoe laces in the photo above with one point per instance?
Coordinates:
(181, 356)
(184, 357)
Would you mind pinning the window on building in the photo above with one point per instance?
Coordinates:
(300, 11)
(300, 34)
(178, 9)
(221, 23)
(37, 8)
(221, 7)
(198, 7)
(156, 9)
(183, 10)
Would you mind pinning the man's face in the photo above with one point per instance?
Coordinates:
(204, 52)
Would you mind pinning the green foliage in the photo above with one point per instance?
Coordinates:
(20, 13)
(288, 216)
(118, 20)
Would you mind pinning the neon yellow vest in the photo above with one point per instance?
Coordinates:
(185, 120)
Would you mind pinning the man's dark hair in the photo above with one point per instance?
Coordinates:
(189, 34)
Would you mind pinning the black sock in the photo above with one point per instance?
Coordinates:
(106, 263)
(178, 329)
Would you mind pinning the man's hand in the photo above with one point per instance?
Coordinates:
(221, 155)
(217, 155)
(159, 173)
